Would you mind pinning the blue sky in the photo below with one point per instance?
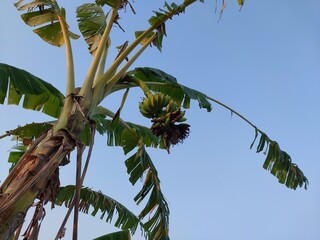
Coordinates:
(263, 62)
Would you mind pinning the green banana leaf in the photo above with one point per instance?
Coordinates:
(99, 202)
(38, 95)
(41, 12)
(278, 162)
(160, 81)
(156, 208)
(92, 23)
(119, 135)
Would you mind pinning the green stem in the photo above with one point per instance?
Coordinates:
(88, 82)
(102, 62)
(69, 57)
(114, 66)
(63, 118)
(124, 98)
(139, 83)
(78, 185)
(138, 40)
(106, 86)
(111, 82)
(84, 171)
(236, 113)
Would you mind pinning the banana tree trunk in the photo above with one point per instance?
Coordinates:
(36, 174)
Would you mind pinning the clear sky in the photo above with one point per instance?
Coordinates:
(263, 62)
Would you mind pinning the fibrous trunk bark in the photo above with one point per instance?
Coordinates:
(31, 178)
(36, 173)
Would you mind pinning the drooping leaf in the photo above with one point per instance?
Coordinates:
(255, 138)
(121, 235)
(161, 14)
(39, 17)
(169, 86)
(40, 4)
(158, 21)
(85, 135)
(92, 23)
(156, 208)
(23, 138)
(38, 94)
(14, 158)
(129, 140)
(279, 163)
(158, 38)
(117, 136)
(41, 12)
(18, 150)
(52, 34)
(157, 18)
(110, 209)
(138, 33)
(32, 130)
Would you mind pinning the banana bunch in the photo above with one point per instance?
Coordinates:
(166, 117)
(169, 118)
(154, 105)
(172, 106)
(170, 128)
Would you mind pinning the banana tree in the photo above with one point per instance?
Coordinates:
(43, 148)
